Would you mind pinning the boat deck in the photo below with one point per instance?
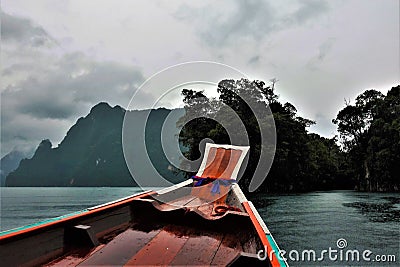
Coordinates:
(168, 235)
(166, 246)
(176, 226)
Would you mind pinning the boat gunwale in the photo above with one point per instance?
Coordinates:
(23, 230)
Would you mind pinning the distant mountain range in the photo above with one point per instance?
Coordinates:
(91, 153)
(10, 162)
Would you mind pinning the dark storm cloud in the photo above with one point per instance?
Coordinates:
(45, 107)
(75, 83)
(219, 26)
(246, 20)
(43, 93)
(23, 31)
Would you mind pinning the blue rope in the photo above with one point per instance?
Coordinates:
(216, 183)
(200, 181)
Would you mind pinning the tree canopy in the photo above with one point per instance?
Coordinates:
(370, 133)
(302, 161)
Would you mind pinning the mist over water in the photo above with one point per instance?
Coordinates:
(297, 221)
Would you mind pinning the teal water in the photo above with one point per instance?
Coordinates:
(316, 221)
(312, 221)
(25, 205)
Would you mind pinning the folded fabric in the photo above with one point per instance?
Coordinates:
(216, 185)
(215, 181)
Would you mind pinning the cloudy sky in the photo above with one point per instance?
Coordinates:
(59, 58)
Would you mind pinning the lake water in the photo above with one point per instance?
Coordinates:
(312, 221)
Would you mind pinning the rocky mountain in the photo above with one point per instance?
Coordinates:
(91, 153)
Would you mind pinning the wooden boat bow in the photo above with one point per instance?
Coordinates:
(178, 225)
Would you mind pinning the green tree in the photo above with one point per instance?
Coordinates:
(370, 134)
(302, 161)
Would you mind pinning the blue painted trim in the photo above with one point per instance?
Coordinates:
(42, 222)
(276, 249)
